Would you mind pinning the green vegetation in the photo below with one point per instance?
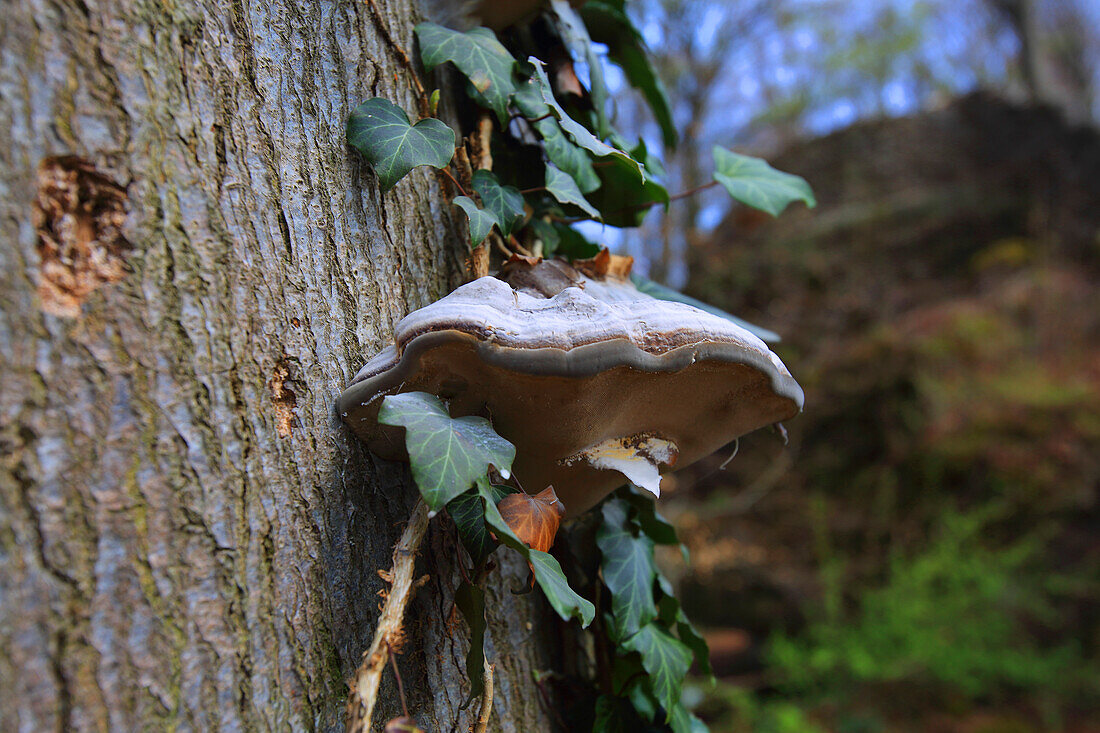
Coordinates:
(952, 615)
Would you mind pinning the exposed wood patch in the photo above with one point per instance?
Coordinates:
(78, 215)
(285, 399)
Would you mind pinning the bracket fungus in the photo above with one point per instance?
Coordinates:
(591, 379)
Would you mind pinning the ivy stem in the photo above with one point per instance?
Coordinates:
(651, 204)
(531, 119)
(685, 194)
(486, 700)
(454, 180)
(364, 689)
(536, 189)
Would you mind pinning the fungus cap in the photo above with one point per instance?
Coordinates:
(565, 366)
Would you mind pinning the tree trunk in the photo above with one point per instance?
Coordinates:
(194, 266)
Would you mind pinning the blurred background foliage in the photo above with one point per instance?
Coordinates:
(924, 553)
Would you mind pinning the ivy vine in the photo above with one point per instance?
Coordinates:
(557, 162)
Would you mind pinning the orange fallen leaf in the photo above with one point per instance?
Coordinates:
(534, 519)
(403, 725)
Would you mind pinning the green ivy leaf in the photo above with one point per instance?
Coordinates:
(661, 292)
(565, 154)
(755, 183)
(640, 695)
(470, 600)
(625, 195)
(664, 658)
(505, 202)
(561, 186)
(536, 99)
(548, 572)
(576, 37)
(615, 715)
(547, 233)
(656, 527)
(681, 721)
(447, 454)
(609, 25)
(380, 130)
(573, 245)
(479, 56)
(670, 613)
(481, 221)
(628, 569)
(649, 161)
(467, 510)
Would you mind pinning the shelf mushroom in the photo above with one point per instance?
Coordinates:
(591, 379)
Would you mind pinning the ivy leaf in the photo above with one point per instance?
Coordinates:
(609, 25)
(669, 613)
(548, 572)
(561, 186)
(649, 161)
(755, 183)
(628, 569)
(565, 154)
(481, 221)
(479, 56)
(573, 245)
(682, 721)
(447, 454)
(656, 527)
(505, 202)
(467, 510)
(535, 98)
(664, 658)
(615, 715)
(470, 600)
(661, 292)
(547, 233)
(625, 195)
(380, 130)
(641, 697)
(576, 36)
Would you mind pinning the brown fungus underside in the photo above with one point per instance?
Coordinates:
(561, 363)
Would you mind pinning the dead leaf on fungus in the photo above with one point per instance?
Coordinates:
(534, 519)
(606, 264)
(402, 725)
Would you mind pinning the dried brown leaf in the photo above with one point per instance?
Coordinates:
(403, 725)
(534, 519)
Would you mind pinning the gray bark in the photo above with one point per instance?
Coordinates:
(189, 538)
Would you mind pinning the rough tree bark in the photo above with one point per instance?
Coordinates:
(188, 536)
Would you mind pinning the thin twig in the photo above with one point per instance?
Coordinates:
(481, 143)
(425, 110)
(536, 189)
(400, 684)
(486, 700)
(364, 689)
